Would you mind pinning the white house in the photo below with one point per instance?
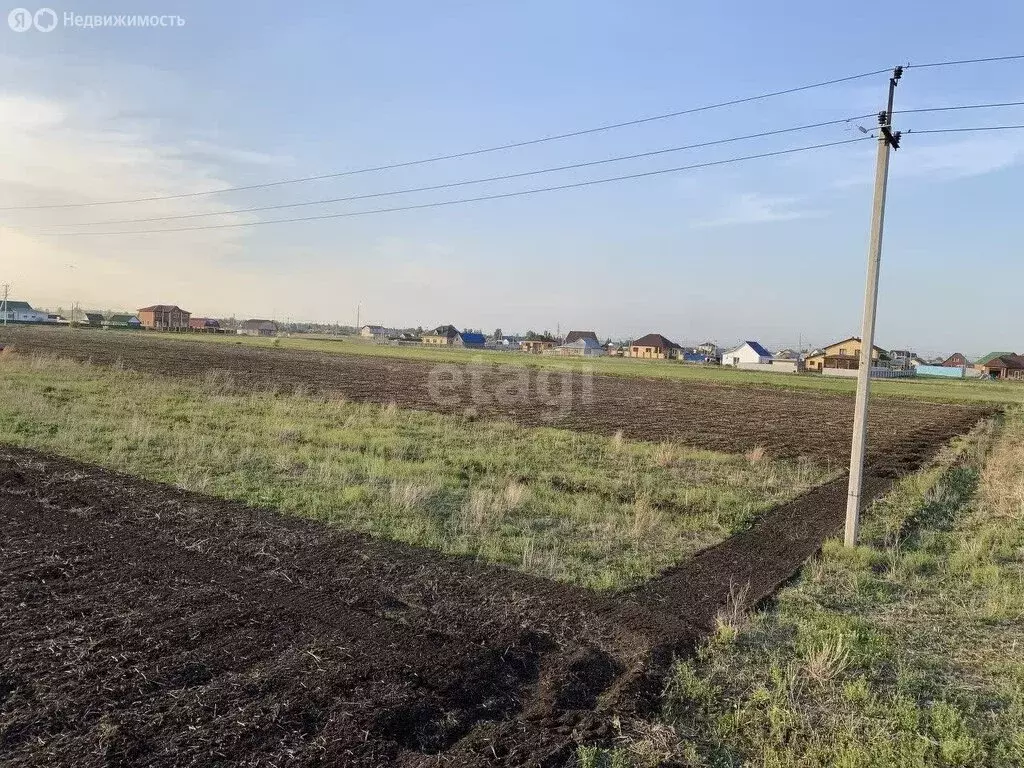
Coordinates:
(376, 332)
(583, 346)
(708, 348)
(747, 353)
(21, 312)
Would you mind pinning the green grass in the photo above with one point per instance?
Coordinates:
(903, 652)
(937, 389)
(602, 512)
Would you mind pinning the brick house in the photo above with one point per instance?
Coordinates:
(204, 324)
(654, 346)
(538, 345)
(442, 336)
(1003, 366)
(843, 355)
(164, 317)
(956, 360)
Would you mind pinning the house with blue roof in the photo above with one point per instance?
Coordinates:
(471, 340)
(698, 357)
(747, 353)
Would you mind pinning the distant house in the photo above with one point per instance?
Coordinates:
(614, 349)
(902, 358)
(582, 346)
(843, 355)
(408, 338)
(470, 339)
(204, 324)
(709, 348)
(538, 345)
(956, 360)
(21, 312)
(574, 336)
(787, 354)
(442, 336)
(164, 317)
(377, 332)
(990, 356)
(505, 342)
(654, 346)
(747, 353)
(695, 356)
(1006, 365)
(94, 319)
(123, 321)
(257, 328)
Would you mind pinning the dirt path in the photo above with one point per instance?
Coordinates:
(143, 624)
(755, 562)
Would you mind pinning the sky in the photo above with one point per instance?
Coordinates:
(772, 249)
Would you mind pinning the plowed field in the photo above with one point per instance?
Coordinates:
(144, 625)
(718, 417)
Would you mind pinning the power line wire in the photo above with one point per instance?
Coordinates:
(957, 62)
(962, 106)
(514, 145)
(523, 174)
(968, 130)
(520, 193)
(469, 153)
(467, 182)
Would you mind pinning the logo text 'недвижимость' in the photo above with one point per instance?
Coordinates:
(47, 19)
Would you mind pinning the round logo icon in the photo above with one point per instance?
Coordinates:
(20, 19)
(45, 19)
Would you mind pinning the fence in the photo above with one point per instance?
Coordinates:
(876, 373)
(940, 370)
(776, 366)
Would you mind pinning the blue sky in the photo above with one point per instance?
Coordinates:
(772, 249)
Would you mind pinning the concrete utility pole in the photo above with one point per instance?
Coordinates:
(886, 140)
(3, 302)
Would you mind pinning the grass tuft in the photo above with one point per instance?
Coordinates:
(756, 455)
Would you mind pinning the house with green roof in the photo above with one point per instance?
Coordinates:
(123, 321)
(1003, 366)
(990, 356)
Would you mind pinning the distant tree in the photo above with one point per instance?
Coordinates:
(497, 334)
(531, 336)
